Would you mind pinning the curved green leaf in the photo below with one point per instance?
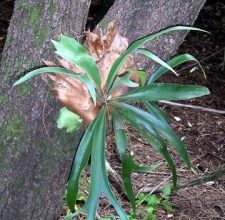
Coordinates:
(165, 91)
(84, 78)
(99, 181)
(135, 45)
(152, 56)
(144, 40)
(158, 145)
(153, 138)
(161, 127)
(79, 163)
(125, 79)
(91, 89)
(122, 143)
(156, 111)
(120, 134)
(71, 50)
(141, 74)
(126, 176)
(128, 167)
(173, 63)
(128, 164)
(145, 169)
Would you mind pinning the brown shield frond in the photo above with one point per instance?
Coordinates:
(105, 49)
(73, 94)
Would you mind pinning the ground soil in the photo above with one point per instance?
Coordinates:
(202, 132)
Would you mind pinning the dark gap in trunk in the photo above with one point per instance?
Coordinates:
(6, 10)
(97, 11)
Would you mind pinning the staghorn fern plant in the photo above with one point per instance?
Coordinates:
(94, 82)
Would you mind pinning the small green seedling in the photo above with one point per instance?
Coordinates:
(147, 205)
(68, 120)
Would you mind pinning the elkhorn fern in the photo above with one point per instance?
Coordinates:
(95, 83)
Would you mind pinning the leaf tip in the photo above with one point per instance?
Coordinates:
(206, 91)
(15, 84)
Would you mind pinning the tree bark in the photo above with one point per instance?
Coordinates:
(33, 172)
(136, 19)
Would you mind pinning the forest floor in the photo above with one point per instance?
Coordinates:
(202, 132)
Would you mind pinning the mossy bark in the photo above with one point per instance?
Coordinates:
(33, 170)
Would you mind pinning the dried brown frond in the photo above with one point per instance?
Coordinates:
(105, 49)
(75, 96)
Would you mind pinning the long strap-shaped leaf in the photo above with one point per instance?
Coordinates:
(99, 182)
(161, 148)
(156, 111)
(152, 56)
(165, 91)
(173, 63)
(159, 126)
(153, 138)
(122, 143)
(71, 50)
(128, 164)
(125, 79)
(120, 134)
(84, 78)
(135, 45)
(79, 163)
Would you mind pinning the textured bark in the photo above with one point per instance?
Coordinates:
(136, 19)
(33, 172)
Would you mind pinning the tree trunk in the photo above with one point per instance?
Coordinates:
(136, 19)
(33, 171)
(34, 161)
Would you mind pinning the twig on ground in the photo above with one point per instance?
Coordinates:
(113, 174)
(193, 107)
(204, 179)
(201, 180)
(223, 63)
(156, 188)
